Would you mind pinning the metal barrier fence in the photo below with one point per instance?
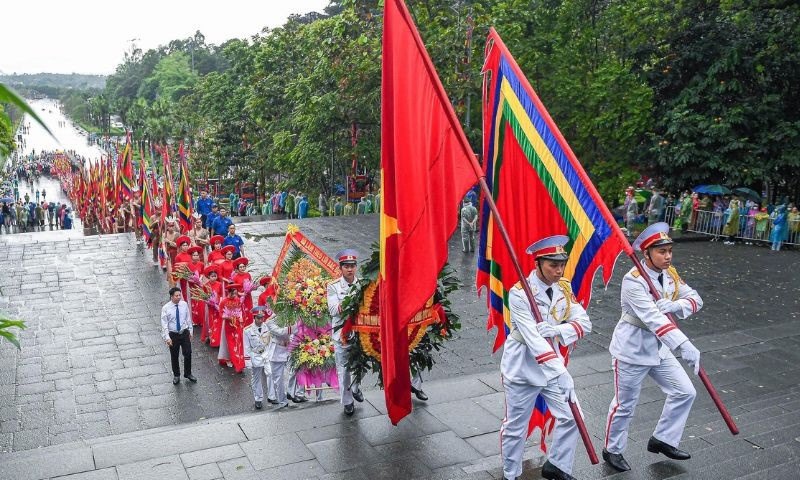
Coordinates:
(751, 228)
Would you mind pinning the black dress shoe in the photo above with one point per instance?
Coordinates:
(358, 396)
(655, 445)
(259, 405)
(551, 472)
(176, 380)
(419, 394)
(192, 378)
(616, 461)
(297, 398)
(349, 409)
(272, 401)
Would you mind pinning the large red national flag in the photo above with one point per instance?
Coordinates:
(427, 167)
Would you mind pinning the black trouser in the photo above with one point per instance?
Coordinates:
(182, 341)
(203, 219)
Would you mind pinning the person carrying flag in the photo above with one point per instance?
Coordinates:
(642, 345)
(564, 322)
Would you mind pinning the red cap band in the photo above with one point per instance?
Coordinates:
(653, 238)
(556, 249)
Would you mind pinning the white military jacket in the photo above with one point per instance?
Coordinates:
(337, 290)
(639, 346)
(278, 349)
(256, 340)
(535, 362)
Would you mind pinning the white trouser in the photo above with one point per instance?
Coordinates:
(294, 389)
(261, 378)
(346, 385)
(520, 400)
(628, 378)
(416, 380)
(277, 381)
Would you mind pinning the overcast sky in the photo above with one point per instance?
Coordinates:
(91, 36)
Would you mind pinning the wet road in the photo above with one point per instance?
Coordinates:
(92, 361)
(65, 136)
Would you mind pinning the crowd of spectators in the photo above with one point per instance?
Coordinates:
(729, 218)
(30, 211)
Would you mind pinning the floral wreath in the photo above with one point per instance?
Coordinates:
(428, 330)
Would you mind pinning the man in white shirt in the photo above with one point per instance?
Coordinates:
(256, 340)
(531, 366)
(349, 389)
(642, 345)
(278, 354)
(176, 330)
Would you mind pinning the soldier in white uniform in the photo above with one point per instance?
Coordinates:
(278, 354)
(256, 340)
(642, 344)
(349, 390)
(530, 366)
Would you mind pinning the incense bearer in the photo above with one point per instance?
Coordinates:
(642, 345)
(349, 390)
(564, 322)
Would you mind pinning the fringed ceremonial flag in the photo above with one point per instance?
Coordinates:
(140, 181)
(184, 193)
(427, 167)
(169, 196)
(540, 189)
(126, 172)
(146, 209)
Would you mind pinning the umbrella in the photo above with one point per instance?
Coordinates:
(6, 200)
(747, 193)
(712, 189)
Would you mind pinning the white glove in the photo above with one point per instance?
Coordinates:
(691, 355)
(567, 387)
(666, 306)
(546, 330)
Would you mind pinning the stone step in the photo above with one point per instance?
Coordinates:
(649, 465)
(717, 433)
(787, 471)
(753, 463)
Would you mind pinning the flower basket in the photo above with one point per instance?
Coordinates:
(312, 356)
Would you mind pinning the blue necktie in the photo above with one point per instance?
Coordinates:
(177, 319)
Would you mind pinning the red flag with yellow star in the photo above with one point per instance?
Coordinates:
(426, 168)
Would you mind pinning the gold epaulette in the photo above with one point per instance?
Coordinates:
(517, 285)
(635, 273)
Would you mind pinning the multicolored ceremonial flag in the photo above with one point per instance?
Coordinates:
(169, 196)
(540, 189)
(427, 166)
(184, 193)
(146, 209)
(126, 172)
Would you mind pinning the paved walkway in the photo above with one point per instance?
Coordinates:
(453, 436)
(92, 381)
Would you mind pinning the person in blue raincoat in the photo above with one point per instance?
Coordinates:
(779, 232)
(68, 219)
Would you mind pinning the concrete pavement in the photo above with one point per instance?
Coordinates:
(93, 372)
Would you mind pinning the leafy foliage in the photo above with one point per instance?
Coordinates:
(5, 325)
(688, 91)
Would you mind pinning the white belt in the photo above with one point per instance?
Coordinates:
(633, 320)
(517, 336)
